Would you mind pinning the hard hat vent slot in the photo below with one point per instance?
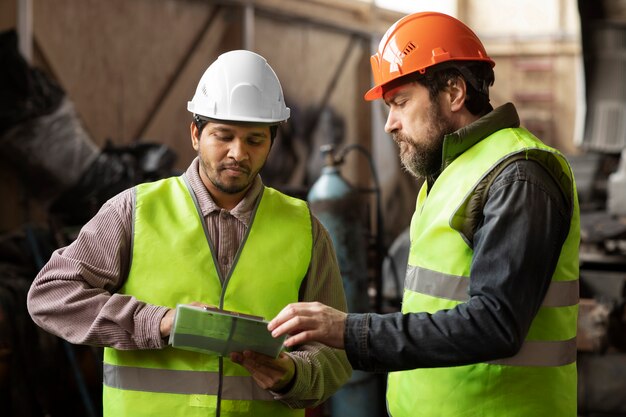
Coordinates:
(204, 91)
(410, 47)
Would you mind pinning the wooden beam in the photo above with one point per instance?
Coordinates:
(165, 123)
(25, 28)
(179, 70)
(248, 27)
(344, 16)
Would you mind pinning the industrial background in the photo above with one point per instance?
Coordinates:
(93, 100)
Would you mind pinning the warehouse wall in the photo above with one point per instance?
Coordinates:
(538, 62)
(129, 67)
(116, 59)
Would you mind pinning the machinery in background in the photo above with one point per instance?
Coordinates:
(601, 337)
(60, 168)
(394, 272)
(616, 189)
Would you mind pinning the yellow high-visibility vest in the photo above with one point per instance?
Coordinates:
(540, 380)
(173, 262)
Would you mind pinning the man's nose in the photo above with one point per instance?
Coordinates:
(393, 123)
(238, 150)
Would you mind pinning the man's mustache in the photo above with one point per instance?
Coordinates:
(237, 167)
(399, 137)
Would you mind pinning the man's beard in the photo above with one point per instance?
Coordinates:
(233, 188)
(424, 158)
(214, 177)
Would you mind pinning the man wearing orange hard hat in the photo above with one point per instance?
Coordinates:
(488, 320)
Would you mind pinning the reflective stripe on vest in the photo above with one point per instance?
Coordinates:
(453, 287)
(532, 353)
(183, 382)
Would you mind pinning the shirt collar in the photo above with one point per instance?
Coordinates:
(458, 142)
(242, 211)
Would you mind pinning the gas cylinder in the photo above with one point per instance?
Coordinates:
(341, 210)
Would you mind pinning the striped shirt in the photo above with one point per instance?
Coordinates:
(74, 294)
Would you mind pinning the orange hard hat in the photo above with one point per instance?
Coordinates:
(419, 41)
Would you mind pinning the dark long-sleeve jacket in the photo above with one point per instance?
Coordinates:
(516, 246)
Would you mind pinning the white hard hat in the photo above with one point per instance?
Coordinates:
(240, 86)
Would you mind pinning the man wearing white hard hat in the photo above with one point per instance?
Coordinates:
(213, 237)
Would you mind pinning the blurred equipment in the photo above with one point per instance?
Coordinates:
(394, 271)
(42, 136)
(40, 374)
(43, 139)
(115, 169)
(604, 53)
(40, 133)
(616, 190)
(602, 384)
(343, 211)
(26, 92)
(601, 180)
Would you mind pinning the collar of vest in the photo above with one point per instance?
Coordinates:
(458, 142)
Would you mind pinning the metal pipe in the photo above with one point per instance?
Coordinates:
(25, 28)
(331, 85)
(248, 26)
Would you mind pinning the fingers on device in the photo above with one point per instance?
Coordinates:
(220, 332)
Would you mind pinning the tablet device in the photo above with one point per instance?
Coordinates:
(219, 332)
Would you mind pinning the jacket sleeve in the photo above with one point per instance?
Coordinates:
(516, 249)
(73, 295)
(320, 370)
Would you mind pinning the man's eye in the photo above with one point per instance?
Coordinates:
(255, 141)
(224, 137)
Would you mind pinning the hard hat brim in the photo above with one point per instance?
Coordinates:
(242, 119)
(374, 93)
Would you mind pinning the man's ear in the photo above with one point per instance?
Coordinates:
(457, 89)
(195, 135)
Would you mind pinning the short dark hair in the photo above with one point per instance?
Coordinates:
(478, 76)
(200, 122)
